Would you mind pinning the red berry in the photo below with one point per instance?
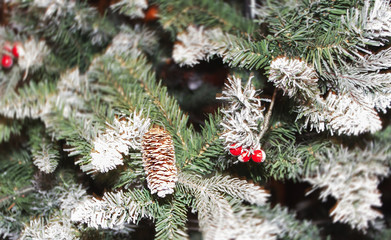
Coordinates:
(245, 156)
(15, 51)
(151, 14)
(235, 151)
(258, 156)
(7, 61)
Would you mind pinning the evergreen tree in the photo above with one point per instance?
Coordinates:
(94, 145)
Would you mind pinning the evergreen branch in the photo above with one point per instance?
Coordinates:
(46, 154)
(133, 8)
(16, 169)
(243, 53)
(236, 188)
(361, 170)
(209, 146)
(289, 227)
(133, 174)
(17, 193)
(165, 106)
(8, 128)
(115, 209)
(218, 216)
(29, 101)
(171, 222)
(240, 189)
(214, 14)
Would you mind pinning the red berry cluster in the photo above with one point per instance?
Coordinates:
(9, 53)
(245, 154)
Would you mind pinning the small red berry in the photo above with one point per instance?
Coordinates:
(151, 14)
(6, 61)
(236, 151)
(18, 50)
(245, 156)
(258, 156)
(15, 51)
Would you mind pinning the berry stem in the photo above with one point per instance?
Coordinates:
(265, 124)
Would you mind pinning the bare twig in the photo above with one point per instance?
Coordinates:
(18, 193)
(265, 125)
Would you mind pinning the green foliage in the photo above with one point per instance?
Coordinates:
(171, 222)
(201, 12)
(133, 175)
(46, 154)
(290, 227)
(289, 157)
(9, 128)
(244, 53)
(207, 148)
(313, 31)
(121, 82)
(75, 41)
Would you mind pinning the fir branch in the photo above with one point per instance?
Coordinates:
(214, 14)
(115, 209)
(218, 217)
(289, 227)
(202, 44)
(46, 154)
(110, 147)
(29, 101)
(16, 171)
(240, 189)
(171, 222)
(17, 193)
(348, 176)
(243, 119)
(208, 147)
(9, 128)
(134, 174)
(131, 8)
(162, 103)
(294, 77)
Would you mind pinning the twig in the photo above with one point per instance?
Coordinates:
(265, 124)
(17, 193)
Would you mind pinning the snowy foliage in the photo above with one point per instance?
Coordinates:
(371, 23)
(242, 116)
(378, 24)
(6, 227)
(114, 143)
(352, 178)
(218, 218)
(350, 112)
(33, 55)
(59, 225)
(46, 159)
(70, 97)
(192, 47)
(341, 114)
(347, 115)
(131, 8)
(293, 76)
(54, 9)
(130, 39)
(375, 62)
(195, 45)
(113, 211)
(37, 229)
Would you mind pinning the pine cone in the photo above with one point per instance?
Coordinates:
(159, 161)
